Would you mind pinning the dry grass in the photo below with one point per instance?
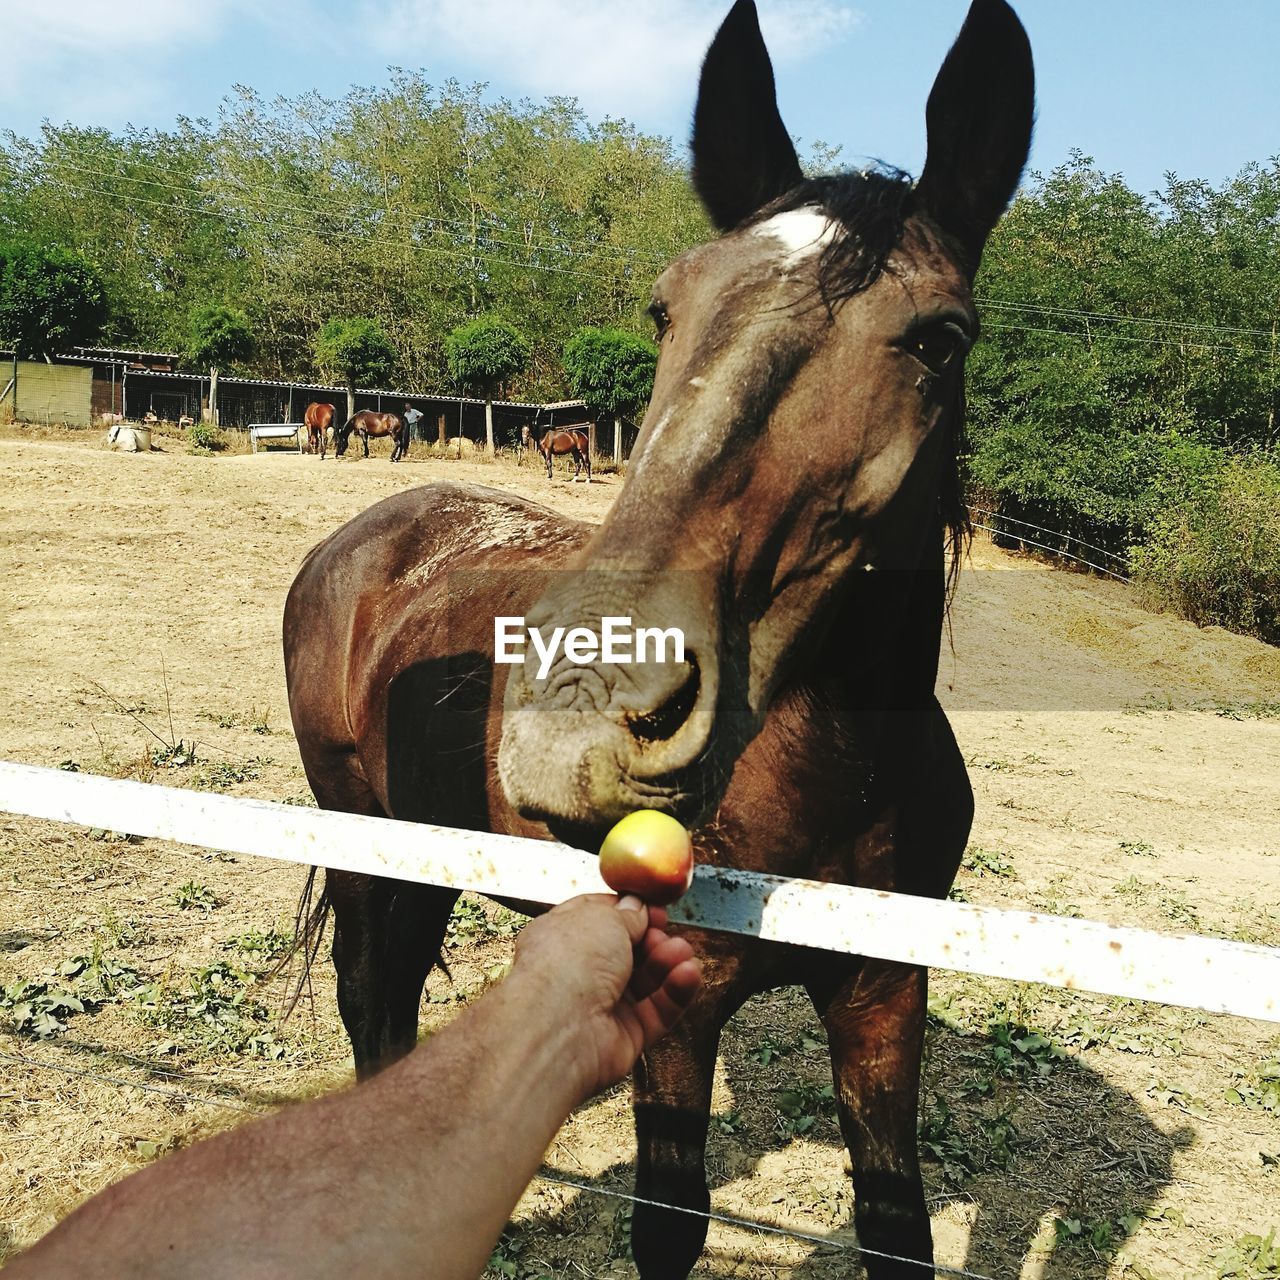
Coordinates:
(1110, 783)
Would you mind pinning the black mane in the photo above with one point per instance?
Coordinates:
(872, 206)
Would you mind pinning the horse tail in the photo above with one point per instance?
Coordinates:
(309, 921)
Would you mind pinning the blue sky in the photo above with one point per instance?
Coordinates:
(1143, 86)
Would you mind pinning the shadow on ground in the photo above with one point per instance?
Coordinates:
(1010, 1146)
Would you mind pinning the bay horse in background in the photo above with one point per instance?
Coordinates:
(790, 504)
(367, 423)
(318, 420)
(557, 441)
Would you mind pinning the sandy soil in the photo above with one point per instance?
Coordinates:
(1127, 767)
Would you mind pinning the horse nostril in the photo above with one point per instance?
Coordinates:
(665, 721)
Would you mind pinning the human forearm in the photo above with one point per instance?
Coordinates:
(500, 1087)
(414, 1173)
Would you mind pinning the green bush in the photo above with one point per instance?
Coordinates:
(1213, 555)
(204, 437)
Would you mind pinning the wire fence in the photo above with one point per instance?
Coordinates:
(173, 1094)
(544, 1175)
(1116, 568)
(767, 1228)
(1212, 974)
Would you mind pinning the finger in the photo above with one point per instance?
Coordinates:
(634, 915)
(682, 984)
(584, 901)
(663, 1009)
(633, 912)
(658, 955)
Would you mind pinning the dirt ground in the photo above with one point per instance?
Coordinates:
(1127, 768)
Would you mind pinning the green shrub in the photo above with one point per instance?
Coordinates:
(204, 437)
(1213, 556)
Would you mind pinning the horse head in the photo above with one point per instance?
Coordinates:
(800, 444)
(341, 436)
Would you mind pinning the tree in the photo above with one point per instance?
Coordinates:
(50, 299)
(1120, 331)
(216, 337)
(358, 351)
(613, 372)
(483, 354)
(416, 205)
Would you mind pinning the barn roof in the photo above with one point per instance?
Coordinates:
(122, 355)
(392, 393)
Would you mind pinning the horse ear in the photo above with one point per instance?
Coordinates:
(979, 119)
(742, 154)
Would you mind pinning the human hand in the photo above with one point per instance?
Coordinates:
(607, 965)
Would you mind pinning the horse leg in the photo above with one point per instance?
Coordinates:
(875, 1025)
(386, 934)
(364, 437)
(386, 937)
(547, 455)
(672, 1097)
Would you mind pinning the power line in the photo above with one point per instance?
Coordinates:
(594, 247)
(1122, 337)
(619, 275)
(1076, 313)
(286, 191)
(490, 259)
(487, 261)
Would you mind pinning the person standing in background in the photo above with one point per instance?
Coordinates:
(411, 419)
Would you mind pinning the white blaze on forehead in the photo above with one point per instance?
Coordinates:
(800, 232)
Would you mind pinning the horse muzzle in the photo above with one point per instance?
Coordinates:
(585, 742)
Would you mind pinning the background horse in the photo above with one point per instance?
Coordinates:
(318, 420)
(561, 440)
(367, 423)
(828, 325)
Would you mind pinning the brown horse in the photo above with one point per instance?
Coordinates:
(556, 441)
(792, 494)
(367, 423)
(318, 420)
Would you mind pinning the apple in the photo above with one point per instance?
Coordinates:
(649, 854)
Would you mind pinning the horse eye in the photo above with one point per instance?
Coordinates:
(661, 320)
(938, 346)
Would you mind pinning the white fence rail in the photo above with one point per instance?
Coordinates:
(1194, 972)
